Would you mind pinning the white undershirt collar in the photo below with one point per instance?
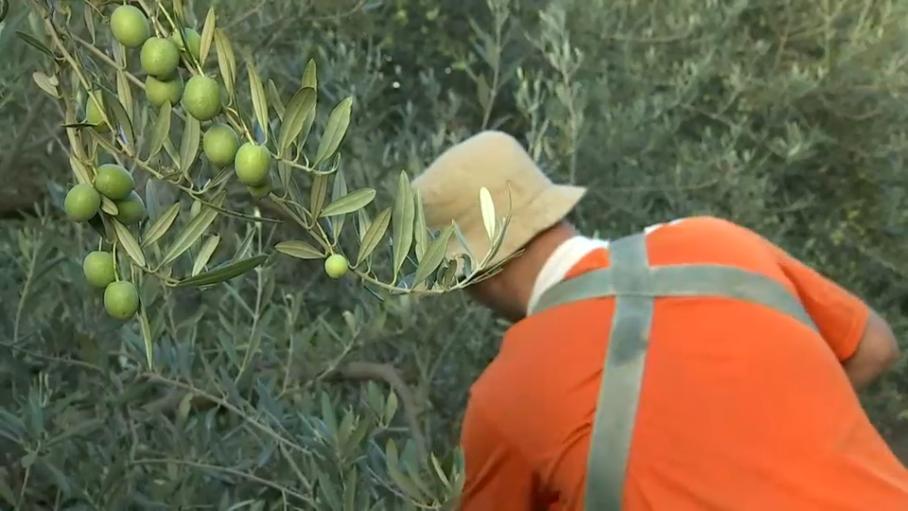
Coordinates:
(565, 257)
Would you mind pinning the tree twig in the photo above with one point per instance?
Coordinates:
(227, 470)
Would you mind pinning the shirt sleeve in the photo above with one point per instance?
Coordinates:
(840, 315)
(497, 476)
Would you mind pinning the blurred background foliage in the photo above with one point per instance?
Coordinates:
(787, 116)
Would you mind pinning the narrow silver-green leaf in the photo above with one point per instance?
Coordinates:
(80, 171)
(402, 222)
(108, 206)
(190, 234)
(145, 328)
(178, 9)
(189, 147)
(318, 193)
(226, 62)
(129, 243)
(487, 207)
(339, 190)
(463, 242)
(299, 249)
(161, 130)
(363, 223)
(338, 121)
(47, 83)
(496, 243)
(112, 104)
(225, 272)
(159, 227)
(300, 107)
(394, 470)
(171, 151)
(374, 235)
(500, 230)
(434, 256)
(440, 472)
(349, 203)
(86, 13)
(35, 43)
(205, 253)
(274, 98)
(310, 80)
(421, 232)
(259, 100)
(124, 92)
(207, 36)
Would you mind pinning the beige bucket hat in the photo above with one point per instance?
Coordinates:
(451, 185)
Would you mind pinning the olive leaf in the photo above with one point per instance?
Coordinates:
(207, 36)
(349, 203)
(310, 80)
(421, 232)
(328, 491)
(463, 242)
(194, 230)
(402, 222)
(500, 229)
(35, 43)
(171, 151)
(80, 171)
(339, 191)
(189, 147)
(363, 223)
(226, 61)
(439, 471)
(274, 97)
(225, 272)
(318, 193)
(112, 105)
(178, 9)
(161, 130)
(393, 465)
(434, 256)
(86, 15)
(373, 235)
(205, 253)
(350, 484)
(487, 208)
(338, 121)
(159, 227)
(145, 328)
(129, 243)
(259, 100)
(298, 110)
(124, 92)
(108, 206)
(47, 83)
(299, 249)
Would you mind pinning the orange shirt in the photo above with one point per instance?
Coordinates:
(742, 407)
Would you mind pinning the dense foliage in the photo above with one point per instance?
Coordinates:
(786, 116)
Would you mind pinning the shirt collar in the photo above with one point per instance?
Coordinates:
(566, 256)
(557, 266)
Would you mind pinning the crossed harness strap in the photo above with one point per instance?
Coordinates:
(635, 286)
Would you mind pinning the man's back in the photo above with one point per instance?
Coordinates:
(741, 407)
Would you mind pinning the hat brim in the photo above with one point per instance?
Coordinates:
(545, 210)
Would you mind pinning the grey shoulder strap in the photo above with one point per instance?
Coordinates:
(635, 285)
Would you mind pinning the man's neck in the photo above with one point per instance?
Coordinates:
(519, 276)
